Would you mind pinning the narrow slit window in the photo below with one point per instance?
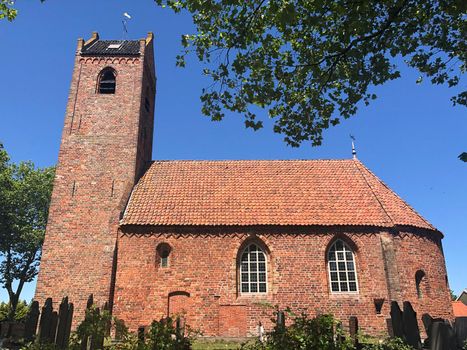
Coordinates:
(107, 81)
(341, 267)
(163, 254)
(419, 278)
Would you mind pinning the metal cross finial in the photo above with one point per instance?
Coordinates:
(354, 152)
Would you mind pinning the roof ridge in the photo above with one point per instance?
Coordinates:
(249, 160)
(395, 194)
(356, 163)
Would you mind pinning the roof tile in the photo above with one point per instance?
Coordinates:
(263, 192)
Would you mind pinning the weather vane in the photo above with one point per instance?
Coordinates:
(126, 18)
(354, 152)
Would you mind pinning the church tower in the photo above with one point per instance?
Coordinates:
(106, 147)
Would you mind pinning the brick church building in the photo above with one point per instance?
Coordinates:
(219, 242)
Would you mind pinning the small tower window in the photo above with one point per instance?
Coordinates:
(419, 278)
(107, 81)
(163, 253)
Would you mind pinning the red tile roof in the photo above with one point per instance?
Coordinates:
(263, 192)
(460, 309)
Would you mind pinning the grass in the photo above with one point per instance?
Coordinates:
(206, 344)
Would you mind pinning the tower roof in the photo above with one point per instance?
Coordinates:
(111, 48)
(263, 192)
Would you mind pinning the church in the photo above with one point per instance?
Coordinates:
(219, 243)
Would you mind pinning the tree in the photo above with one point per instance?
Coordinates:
(7, 11)
(312, 63)
(24, 201)
(22, 310)
(453, 295)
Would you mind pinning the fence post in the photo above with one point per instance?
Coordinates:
(32, 319)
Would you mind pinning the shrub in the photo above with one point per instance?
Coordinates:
(22, 310)
(388, 344)
(317, 333)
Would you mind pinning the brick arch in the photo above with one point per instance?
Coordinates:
(178, 303)
(256, 240)
(344, 238)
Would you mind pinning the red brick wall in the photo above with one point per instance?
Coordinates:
(203, 263)
(421, 252)
(101, 155)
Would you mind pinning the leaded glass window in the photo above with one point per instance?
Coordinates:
(341, 266)
(253, 270)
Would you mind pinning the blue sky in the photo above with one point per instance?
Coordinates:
(410, 136)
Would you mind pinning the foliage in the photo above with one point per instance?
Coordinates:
(7, 11)
(312, 62)
(465, 345)
(22, 310)
(95, 326)
(319, 333)
(162, 335)
(38, 346)
(453, 295)
(314, 334)
(463, 156)
(24, 202)
(388, 344)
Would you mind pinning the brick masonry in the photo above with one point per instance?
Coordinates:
(203, 264)
(106, 146)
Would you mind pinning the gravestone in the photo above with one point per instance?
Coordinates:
(396, 320)
(32, 319)
(460, 327)
(410, 326)
(353, 330)
(442, 337)
(280, 321)
(68, 324)
(53, 327)
(63, 312)
(85, 339)
(45, 322)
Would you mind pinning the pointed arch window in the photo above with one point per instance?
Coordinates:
(107, 81)
(253, 270)
(341, 267)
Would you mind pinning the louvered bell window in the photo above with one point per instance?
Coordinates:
(107, 82)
